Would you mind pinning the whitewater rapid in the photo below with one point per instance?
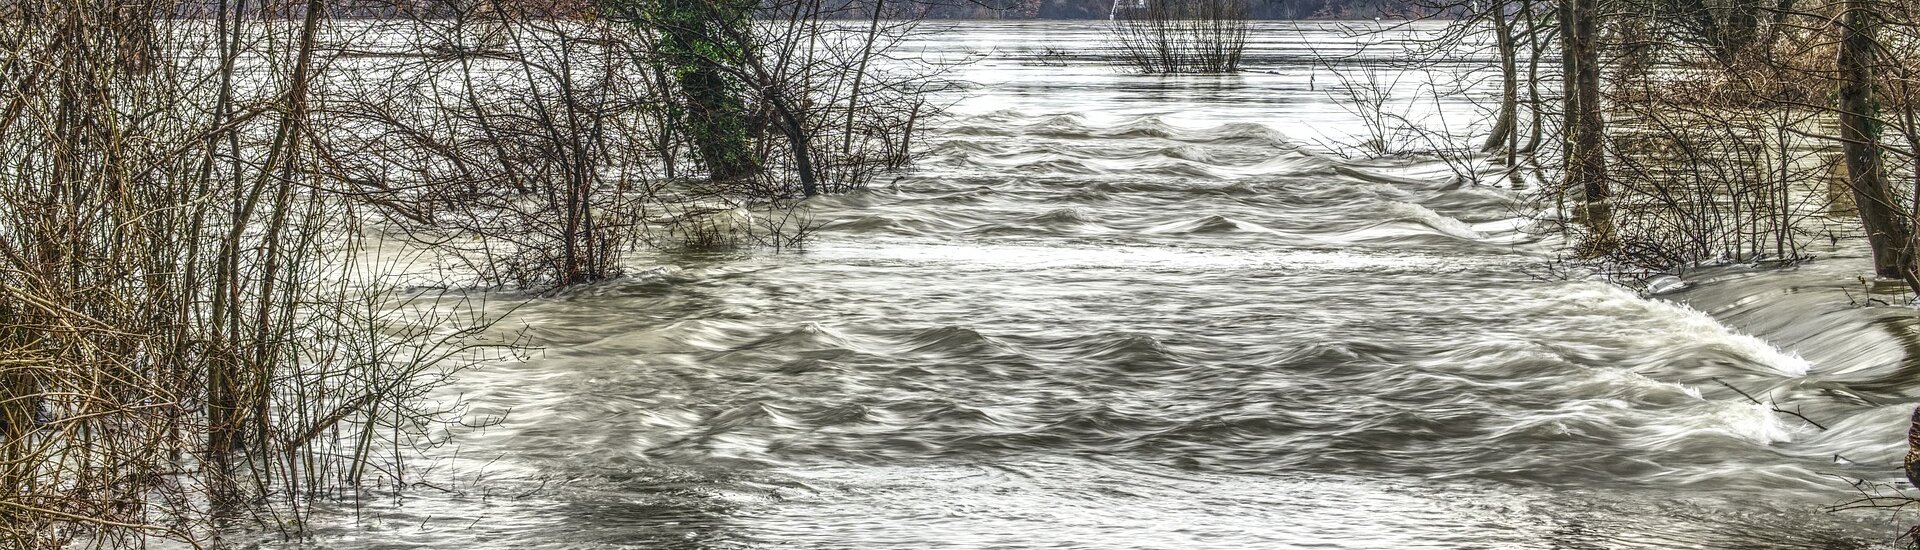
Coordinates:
(1123, 311)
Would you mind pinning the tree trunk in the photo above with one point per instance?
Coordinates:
(1889, 232)
(1588, 155)
(695, 40)
(860, 73)
(802, 143)
(1569, 102)
(1534, 105)
(1504, 131)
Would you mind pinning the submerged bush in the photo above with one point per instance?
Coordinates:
(1181, 36)
(188, 327)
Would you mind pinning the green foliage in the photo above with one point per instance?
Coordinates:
(701, 44)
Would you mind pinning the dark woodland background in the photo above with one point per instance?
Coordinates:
(942, 9)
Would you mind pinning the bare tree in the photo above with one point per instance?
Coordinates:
(1180, 36)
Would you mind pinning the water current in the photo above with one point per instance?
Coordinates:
(1113, 310)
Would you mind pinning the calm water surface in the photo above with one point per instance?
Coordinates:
(1125, 311)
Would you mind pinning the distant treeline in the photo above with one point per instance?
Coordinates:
(851, 9)
(1099, 9)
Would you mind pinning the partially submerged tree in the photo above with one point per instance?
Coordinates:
(697, 42)
(1889, 225)
(1181, 36)
(1586, 154)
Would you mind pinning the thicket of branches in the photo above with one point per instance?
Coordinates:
(552, 145)
(184, 327)
(1667, 134)
(1180, 36)
(193, 328)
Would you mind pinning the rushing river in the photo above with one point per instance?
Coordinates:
(1123, 311)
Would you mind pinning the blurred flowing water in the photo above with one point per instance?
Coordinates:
(1124, 311)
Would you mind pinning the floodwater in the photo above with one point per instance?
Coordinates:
(1125, 311)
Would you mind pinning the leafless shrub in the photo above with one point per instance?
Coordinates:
(1180, 36)
(1700, 186)
(536, 150)
(187, 331)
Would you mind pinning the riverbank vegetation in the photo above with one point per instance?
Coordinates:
(1662, 136)
(206, 316)
(1665, 135)
(185, 327)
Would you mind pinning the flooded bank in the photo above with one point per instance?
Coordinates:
(1114, 310)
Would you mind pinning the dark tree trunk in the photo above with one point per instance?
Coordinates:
(802, 143)
(1534, 105)
(1889, 231)
(1569, 100)
(697, 37)
(860, 73)
(1504, 129)
(1588, 156)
